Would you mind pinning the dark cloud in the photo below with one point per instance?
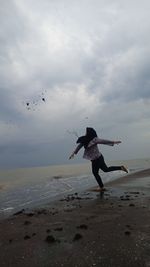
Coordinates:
(91, 60)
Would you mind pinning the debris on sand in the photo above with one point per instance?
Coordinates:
(50, 239)
(27, 222)
(77, 237)
(58, 229)
(131, 205)
(82, 226)
(127, 233)
(30, 214)
(19, 212)
(26, 237)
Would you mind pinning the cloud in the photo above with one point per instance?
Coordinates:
(87, 59)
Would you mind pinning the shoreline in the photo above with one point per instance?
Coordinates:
(83, 229)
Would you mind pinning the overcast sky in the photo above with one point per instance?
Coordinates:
(68, 64)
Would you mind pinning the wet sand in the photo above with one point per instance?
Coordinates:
(83, 229)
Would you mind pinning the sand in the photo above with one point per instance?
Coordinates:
(83, 229)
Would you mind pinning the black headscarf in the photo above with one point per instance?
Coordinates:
(85, 139)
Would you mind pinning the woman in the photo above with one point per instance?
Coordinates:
(91, 152)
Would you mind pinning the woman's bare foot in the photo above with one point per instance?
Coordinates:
(123, 168)
(100, 189)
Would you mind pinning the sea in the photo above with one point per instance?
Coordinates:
(31, 187)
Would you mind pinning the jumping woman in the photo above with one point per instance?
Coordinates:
(90, 143)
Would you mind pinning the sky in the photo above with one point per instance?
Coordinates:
(70, 64)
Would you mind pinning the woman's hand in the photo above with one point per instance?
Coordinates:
(117, 142)
(72, 156)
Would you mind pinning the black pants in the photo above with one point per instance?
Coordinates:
(100, 164)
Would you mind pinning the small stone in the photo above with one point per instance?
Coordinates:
(58, 229)
(82, 226)
(33, 234)
(131, 205)
(127, 233)
(30, 214)
(43, 211)
(19, 212)
(50, 239)
(27, 222)
(26, 237)
(77, 237)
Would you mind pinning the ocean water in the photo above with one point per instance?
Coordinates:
(30, 187)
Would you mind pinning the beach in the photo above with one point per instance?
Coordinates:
(34, 187)
(83, 228)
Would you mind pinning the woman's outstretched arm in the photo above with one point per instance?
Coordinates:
(76, 151)
(97, 140)
(107, 142)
